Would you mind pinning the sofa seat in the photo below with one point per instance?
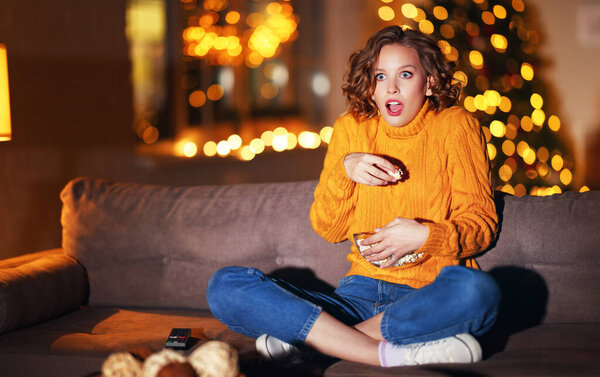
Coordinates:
(571, 349)
(95, 332)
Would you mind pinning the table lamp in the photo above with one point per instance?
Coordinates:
(5, 130)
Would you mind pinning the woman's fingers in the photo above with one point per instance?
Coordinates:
(369, 169)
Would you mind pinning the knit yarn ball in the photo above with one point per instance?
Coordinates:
(154, 363)
(122, 365)
(215, 359)
(177, 370)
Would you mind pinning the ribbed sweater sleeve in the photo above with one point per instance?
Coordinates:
(472, 223)
(332, 208)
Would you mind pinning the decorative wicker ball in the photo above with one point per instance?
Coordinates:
(122, 365)
(154, 363)
(215, 359)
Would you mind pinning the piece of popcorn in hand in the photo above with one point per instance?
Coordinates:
(409, 258)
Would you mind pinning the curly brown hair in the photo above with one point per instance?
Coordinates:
(359, 81)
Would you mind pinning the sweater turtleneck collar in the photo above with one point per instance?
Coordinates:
(410, 129)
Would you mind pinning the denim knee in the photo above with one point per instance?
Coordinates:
(222, 284)
(478, 290)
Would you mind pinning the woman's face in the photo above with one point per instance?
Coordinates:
(401, 84)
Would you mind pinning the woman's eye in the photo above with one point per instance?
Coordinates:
(406, 75)
(379, 76)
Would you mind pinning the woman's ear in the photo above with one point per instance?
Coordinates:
(430, 84)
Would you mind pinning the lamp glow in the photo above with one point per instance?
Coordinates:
(5, 129)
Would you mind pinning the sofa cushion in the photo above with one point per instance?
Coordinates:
(39, 286)
(157, 246)
(546, 256)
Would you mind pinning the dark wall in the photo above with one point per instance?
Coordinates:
(70, 92)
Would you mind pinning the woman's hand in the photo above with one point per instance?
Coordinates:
(397, 239)
(369, 169)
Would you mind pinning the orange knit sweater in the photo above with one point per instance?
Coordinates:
(448, 188)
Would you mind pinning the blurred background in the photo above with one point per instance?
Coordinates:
(189, 92)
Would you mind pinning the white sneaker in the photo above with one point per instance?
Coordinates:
(461, 348)
(277, 350)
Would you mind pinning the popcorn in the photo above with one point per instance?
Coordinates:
(408, 258)
(397, 174)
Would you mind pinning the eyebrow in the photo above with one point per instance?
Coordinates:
(403, 67)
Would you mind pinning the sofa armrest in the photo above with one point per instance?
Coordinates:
(39, 286)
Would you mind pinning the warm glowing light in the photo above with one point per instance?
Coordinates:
(426, 26)
(150, 135)
(447, 31)
(499, 11)
(480, 102)
(520, 189)
(497, 128)
(521, 147)
(543, 154)
(493, 97)
(518, 5)
(566, 177)
(210, 148)
(472, 29)
(538, 117)
(215, 92)
(409, 10)
(526, 123)
(280, 143)
(257, 146)
(269, 90)
(557, 162)
(529, 156)
(508, 147)
(499, 42)
(247, 153)
(223, 148)
(488, 17)
(554, 123)
(469, 104)
(584, 189)
(278, 73)
(505, 104)
(527, 71)
(235, 141)
(309, 140)
(280, 131)
(536, 101)
(505, 173)
(5, 124)
(326, 133)
(190, 149)
(476, 59)
(386, 13)
(508, 189)
(232, 17)
(491, 150)
(267, 138)
(440, 13)
(320, 84)
(542, 169)
(197, 98)
(461, 77)
(292, 141)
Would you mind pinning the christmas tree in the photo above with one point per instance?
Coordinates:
(493, 43)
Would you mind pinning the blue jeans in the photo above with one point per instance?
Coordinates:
(460, 300)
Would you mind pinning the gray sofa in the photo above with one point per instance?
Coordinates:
(135, 261)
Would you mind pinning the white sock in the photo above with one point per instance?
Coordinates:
(391, 355)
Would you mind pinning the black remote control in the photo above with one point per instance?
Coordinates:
(178, 338)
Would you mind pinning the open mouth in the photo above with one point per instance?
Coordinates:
(394, 107)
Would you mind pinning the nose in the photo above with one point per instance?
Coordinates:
(393, 87)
